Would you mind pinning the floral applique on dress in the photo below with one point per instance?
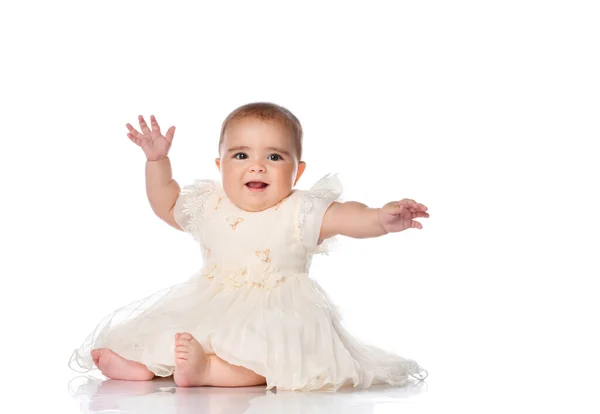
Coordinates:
(264, 255)
(263, 275)
(205, 251)
(218, 202)
(210, 272)
(234, 221)
(234, 279)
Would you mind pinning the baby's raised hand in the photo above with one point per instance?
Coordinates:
(399, 215)
(154, 145)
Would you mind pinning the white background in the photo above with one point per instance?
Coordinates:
(486, 112)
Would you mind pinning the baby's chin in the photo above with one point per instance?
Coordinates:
(259, 201)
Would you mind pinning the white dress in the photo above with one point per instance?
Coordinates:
(253, 303)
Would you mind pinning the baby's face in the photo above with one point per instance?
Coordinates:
(255, 153)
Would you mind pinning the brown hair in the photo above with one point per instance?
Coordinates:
(266, 111)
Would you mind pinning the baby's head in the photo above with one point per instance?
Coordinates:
(261, 143)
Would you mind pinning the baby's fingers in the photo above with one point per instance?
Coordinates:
(134, 135)
(155, 127)
(169, 135)
(144, 126)
(413, 205)
(416, 225)
(410, 204)
(134, 139)
(132, 130)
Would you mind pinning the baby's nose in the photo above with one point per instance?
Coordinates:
(257, 168)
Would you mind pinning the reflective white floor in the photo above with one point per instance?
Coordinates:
(96, 395)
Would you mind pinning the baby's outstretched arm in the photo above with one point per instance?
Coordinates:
(356, 220)
(162, 190)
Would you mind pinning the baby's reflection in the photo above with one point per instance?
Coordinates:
(161, 395)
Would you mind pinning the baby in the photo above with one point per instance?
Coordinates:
(252, 316)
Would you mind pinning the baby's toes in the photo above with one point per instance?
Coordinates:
(181, 356)
(96, 355)
(184, 335)
(182, 349)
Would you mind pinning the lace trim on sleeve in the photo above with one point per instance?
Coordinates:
(328, 188)
(194, 197)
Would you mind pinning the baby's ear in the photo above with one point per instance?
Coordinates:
(218, 162)
(300, 171)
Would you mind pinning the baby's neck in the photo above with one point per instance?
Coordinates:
(275, 205)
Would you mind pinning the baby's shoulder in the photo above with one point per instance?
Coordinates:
(191, 204)
(324, 191)
(200, 188)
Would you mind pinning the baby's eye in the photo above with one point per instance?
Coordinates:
(277, 157)
(242, 156)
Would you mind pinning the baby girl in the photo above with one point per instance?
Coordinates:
(252, 315)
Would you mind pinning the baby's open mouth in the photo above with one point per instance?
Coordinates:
(256, 184)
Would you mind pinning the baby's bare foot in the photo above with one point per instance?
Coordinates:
(191, 363)
(116, 367)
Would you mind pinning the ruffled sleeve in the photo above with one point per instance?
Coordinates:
(313, 206)
(189, 208)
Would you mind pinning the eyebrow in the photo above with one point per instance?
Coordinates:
(243, 147)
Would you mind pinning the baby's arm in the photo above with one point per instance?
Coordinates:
(356, 220)
(351, 219)
(162, 190)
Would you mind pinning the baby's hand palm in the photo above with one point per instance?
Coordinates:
(153, 143)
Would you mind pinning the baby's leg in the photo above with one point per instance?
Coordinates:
(116, 367)
(193, 367)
